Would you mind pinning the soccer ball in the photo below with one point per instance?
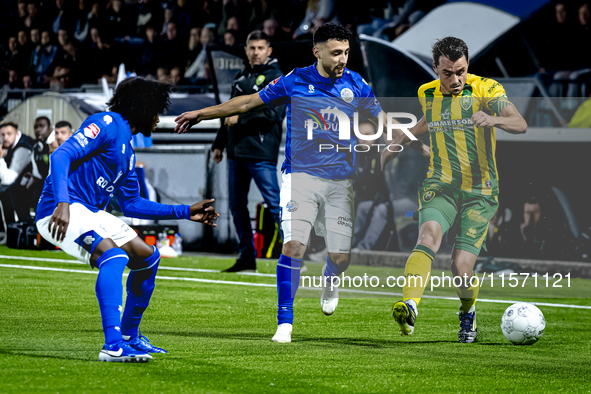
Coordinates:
(523, 323)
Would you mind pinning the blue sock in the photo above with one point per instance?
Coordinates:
(288, 280)
(140, 286)
(109, 292)
(332, 269)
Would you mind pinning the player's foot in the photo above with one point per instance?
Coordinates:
(123, 353)
(283, 334)
(242, 265)
(405, 315)
(467, 333)
(142, 344)
(329, 299)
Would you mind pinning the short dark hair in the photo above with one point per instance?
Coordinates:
(331, 31)
(11, 124)
(451, 47)
(45, 118)
(257, 35)
(63, 123)
(140, 100)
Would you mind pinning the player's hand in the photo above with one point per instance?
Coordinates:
(481, 119)
(60, 220)
(388, 155)
(186, 120)
(231, 121)
(204, 213)
(218, 155)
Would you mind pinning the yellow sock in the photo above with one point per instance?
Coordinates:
(417, 273)
(468, 295)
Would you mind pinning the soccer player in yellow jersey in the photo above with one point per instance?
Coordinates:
(461, 112)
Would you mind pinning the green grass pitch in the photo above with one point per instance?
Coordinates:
(218, 335)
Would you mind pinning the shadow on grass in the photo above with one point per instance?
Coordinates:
(36, 353)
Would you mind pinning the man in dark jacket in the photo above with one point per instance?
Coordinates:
(252, 142)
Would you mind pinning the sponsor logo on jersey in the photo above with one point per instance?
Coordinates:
(471, 233)
(81, 139)
(292, 206)
(344, 221)
(260, 79)
(92, 131)
(131, 162)
(273, 82)
(107, 119)
(123, 148)
(310, 88)
(475, 216)
(488, 184)
(347, 95)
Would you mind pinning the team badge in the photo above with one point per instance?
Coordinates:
(92, 131)
(347, 95)
(292, 206)
(488, 184)
(260, 79)
(428, 196)
(466, 102)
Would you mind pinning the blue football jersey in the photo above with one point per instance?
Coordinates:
(307, 94)
(96, 163)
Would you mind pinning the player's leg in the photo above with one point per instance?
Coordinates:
(88, 240)
(436, 214)
(335, 219)
(468, 237)
(298, 211)
(239, 178)
(143, 265)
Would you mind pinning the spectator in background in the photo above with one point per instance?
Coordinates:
(35, 37)
(167, 20)
(230, 37)
(100, 62)
(252, 142)
(13, 57)
(318, 12)
(32, 21)
(150, 52)
(148, 12)
(15, 159)
(182, 15)
(42, 59)
(193, 47)
(24, 46)
(117, 23)
(82, 22)
(171, 55)
(542, 235)
(163, 75)
(275, 32)
(63, 131)
(27, 81)
(62, 37)
(61, 18)
(198, 72)
(13, 82)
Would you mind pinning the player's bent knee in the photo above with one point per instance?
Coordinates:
(103, 246)
(340, 259)
(294, 249)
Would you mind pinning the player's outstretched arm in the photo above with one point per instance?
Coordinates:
(238, 105)
(402, 139)
(203, 212)
(509, 120)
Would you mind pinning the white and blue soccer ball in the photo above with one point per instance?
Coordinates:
(523, 323)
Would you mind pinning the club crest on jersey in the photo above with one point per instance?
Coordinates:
(488, 184)
(428, 196)
(347, 95)
(92, 131)
(466, 102)
(292, 206)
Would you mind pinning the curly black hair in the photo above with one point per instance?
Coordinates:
(139, 101)
(451, 47)
(332, 31)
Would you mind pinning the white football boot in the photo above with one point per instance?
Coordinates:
(283, 334)
(329, 299)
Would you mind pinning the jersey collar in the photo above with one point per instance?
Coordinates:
(320, 78)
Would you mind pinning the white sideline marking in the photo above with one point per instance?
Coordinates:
(161, 267)
(228, 282)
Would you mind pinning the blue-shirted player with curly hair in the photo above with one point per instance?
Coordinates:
(92, 166)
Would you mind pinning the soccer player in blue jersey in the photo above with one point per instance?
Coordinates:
(92, 166)
(317, 184)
